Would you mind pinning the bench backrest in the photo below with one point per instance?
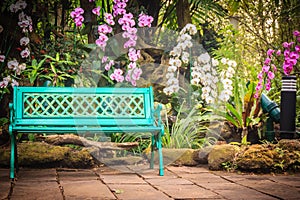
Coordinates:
(83, 106)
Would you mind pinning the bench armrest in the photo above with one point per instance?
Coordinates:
(157, 115)
(11, 113)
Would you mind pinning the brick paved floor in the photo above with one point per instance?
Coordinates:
(178, 183)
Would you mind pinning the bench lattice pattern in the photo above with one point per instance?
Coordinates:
(83, 105)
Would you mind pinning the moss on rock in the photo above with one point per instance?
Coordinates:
(256, 158)
(220, 154)
(40, 154)
(78, 159)
(281, 157)
(290, 145)
(270, 158)
(186, 158)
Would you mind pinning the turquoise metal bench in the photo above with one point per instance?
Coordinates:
(62, 110)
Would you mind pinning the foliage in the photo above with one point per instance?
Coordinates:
(229, 166)
(120, 19)
(201, 11)
(97, 137)
(25, 137)
(13, 56)
(50, 68)
(3, 121)
(231, 45)
(243, 109)
(57, 47)
(144, 140)
(73, 146)
(287, 59)
(48, 53)
(186, 131)
(266, 25)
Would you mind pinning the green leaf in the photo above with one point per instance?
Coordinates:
(238, 94)
(232, 120)
(68, 57)
(233, 6)
(34, 62)
(46, 77)
(236, 114)
(57, 58)
(244, 140)
(31, 137)
(50, 57)
(53, 68)
(3, 121)
(33, 75)
(41, 63)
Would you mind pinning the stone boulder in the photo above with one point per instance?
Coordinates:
(284, 156)
(187, 158)
(220, 154)
(201, 155)
(257, 158)
(290, 145)
(41, 154)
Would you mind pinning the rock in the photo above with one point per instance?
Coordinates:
(281, 157)
(40, 154)
(186, 158)
(201, 155)
(79, 159)
(257, 158)
(176, 157)
(221, 154)
(290, 145)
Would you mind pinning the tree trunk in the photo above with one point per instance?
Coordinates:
(81, 141)
(183, 13)
(89, 19)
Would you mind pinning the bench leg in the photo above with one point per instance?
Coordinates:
(153, 141)
(16, 158)
(161, 163)
(156, 142)
(12, 155)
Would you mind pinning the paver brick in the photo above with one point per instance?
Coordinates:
(77, 175)
(168, 181)
(188, 192)
(243, 194)
(137, 192)
(204, 178)
(38, 190)
(291, 180)
(122, 179)
(25, 174)
(5, 183)
(281, 191)
(88, 189)
(185, 169)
